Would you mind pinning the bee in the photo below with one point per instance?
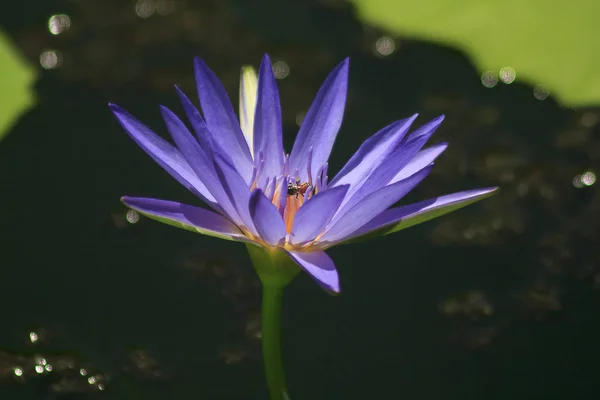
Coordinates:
(297, 188)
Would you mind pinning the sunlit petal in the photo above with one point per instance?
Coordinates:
(248, 94)
(187, 217)
(321, 123)
(320, 267)
(221, 119)
(165, 154)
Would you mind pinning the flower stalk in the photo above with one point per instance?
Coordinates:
(271, 341)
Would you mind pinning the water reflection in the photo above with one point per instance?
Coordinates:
(59, 23)
(50, 59)
(507, 75)
(385, 46)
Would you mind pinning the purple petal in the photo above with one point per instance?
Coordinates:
(371, 206)
(322, 122)
(221, 119)
(165, 154)
(420, 161)
(237, 190)
(199, 161)
(267, 122)
(270, 189)
(319, 266)
(183, 216)
(314, 215)
(198, 125)
(399, 218)
(372, 153)
(267, 220)
(397, 160)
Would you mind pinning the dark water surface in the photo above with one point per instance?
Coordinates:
(497, 301)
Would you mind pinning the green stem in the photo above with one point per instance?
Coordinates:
(271, 341)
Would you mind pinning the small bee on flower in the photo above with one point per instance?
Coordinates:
(297, 188)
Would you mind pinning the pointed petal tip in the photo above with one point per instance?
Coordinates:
(200, 65)
(490, 190)
(344, 66)
(127, 200)
(266, 58)
(333, 289)
(198, 61)
(247, 69)
(165, 112)
(116, 108)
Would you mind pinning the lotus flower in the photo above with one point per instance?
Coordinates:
(283, 206)
(241, 171)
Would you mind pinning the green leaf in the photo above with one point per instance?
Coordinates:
(16, 77)
(554, 46)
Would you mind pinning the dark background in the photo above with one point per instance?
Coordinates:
(496, 301)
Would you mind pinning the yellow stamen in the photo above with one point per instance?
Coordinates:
(277, 196)
(292, 205)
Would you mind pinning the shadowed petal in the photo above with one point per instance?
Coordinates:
(183, 216)
(248, 94)
(420, 161)
(165, 154)
(319, 266)
(199, 161)
(198, 124)
(314, 215)
(372, 153)
(322, 122)
(396, 219)
(384, 173)
(267, 123)
(221, 119)
(371, 206)
(236, 189)
(267, 220)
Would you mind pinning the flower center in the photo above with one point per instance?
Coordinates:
(288, 192)
(297, 193)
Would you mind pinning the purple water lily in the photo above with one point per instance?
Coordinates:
(284, 202)
(283, 206)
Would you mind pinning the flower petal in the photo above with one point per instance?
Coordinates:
(395, 162)
(198, 124)
(165, 154)
(267, 220)
(314, 215)
(372, 153)
(248, 94)
(322, 122)
(237, 190)
(371, 206)
(422, 159)
(187, 217)
(267, 123)
(396, 219)
(221, 119)
(319, 266)
(199, 161)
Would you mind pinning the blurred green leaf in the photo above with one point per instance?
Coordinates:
(554, 45)
(16, 76)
